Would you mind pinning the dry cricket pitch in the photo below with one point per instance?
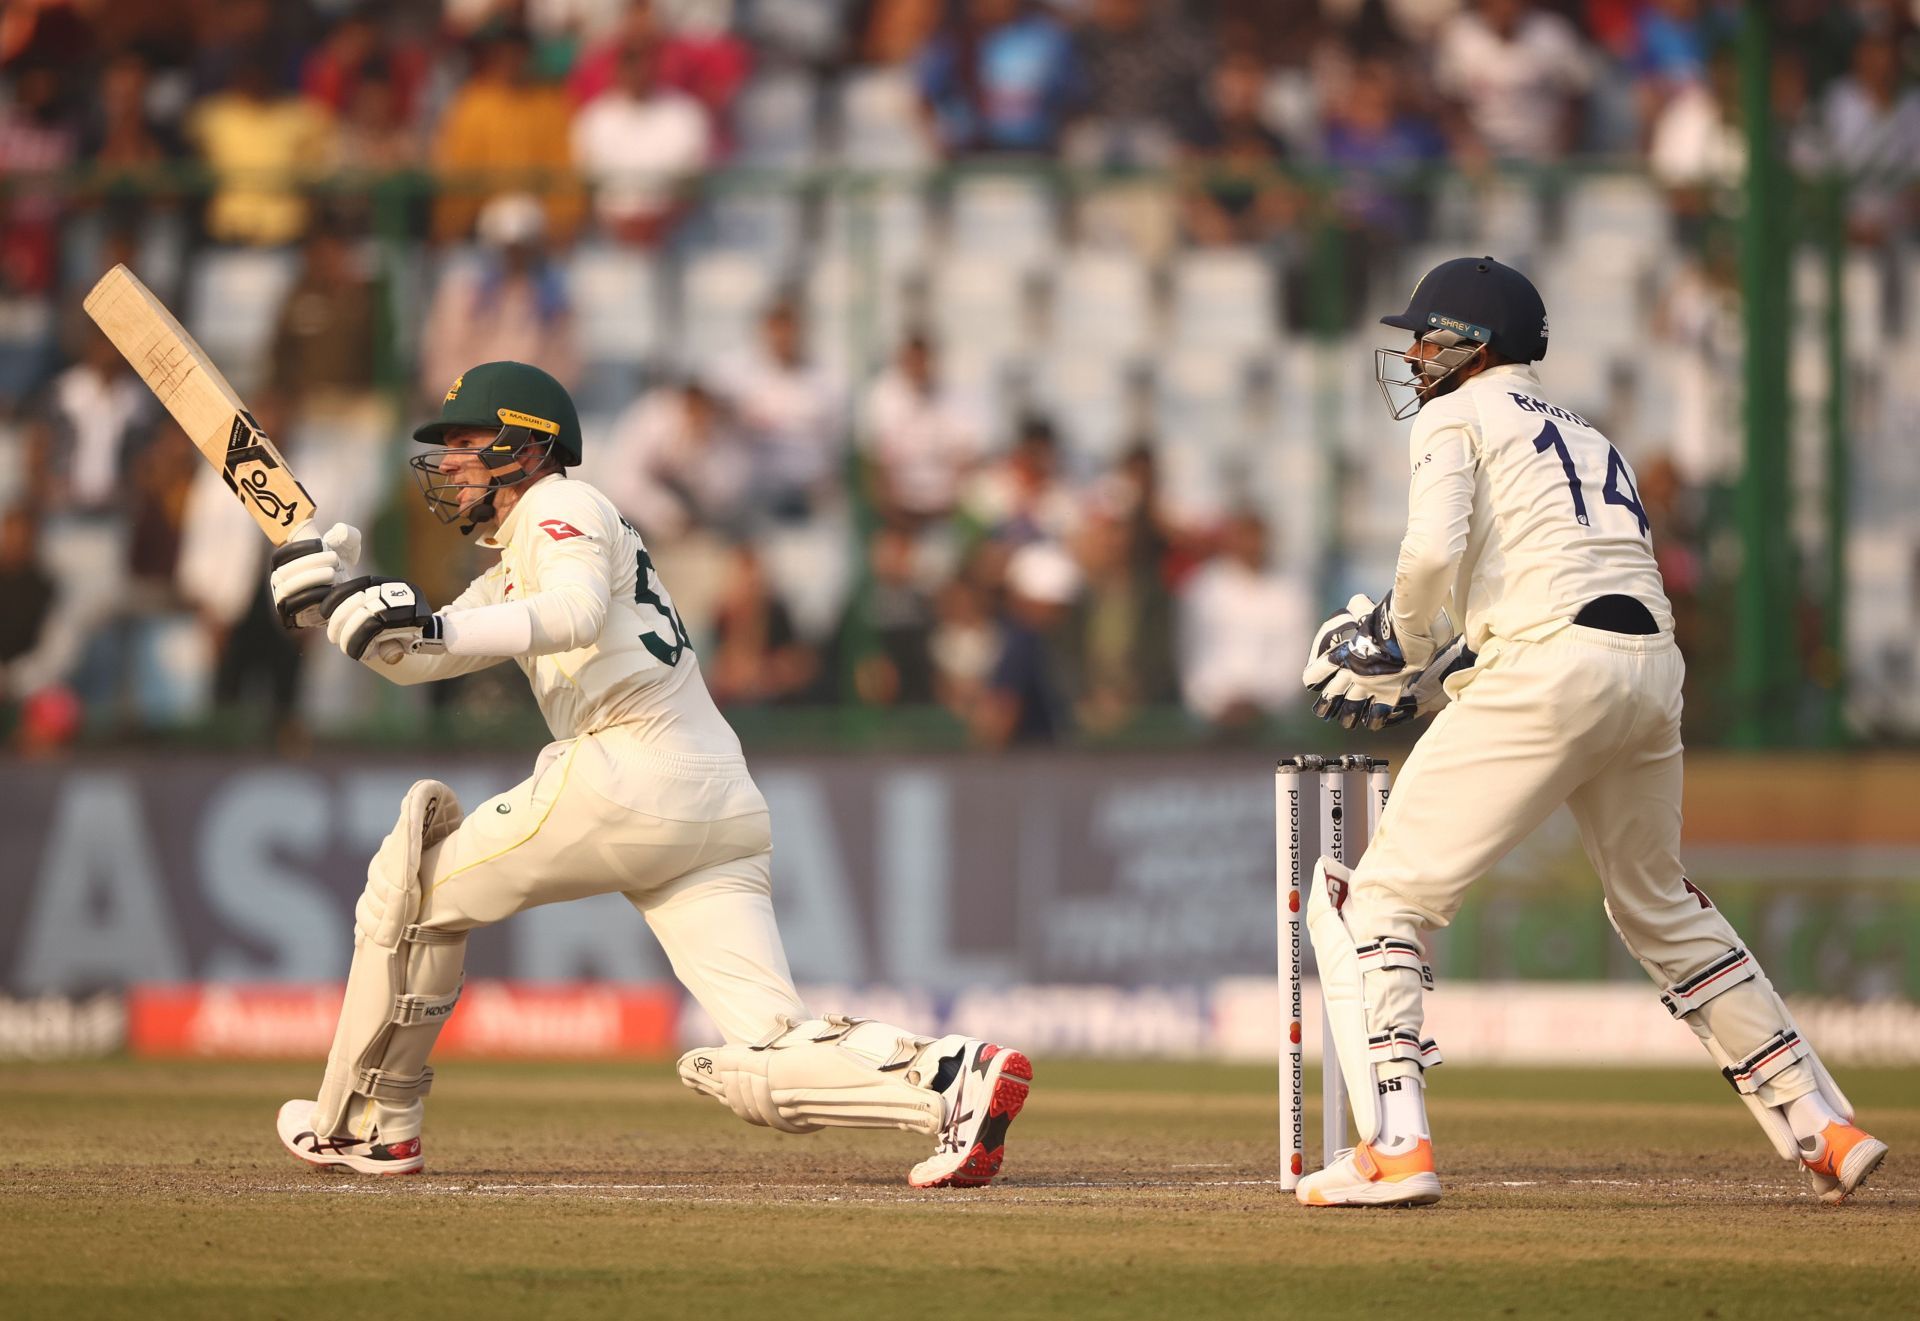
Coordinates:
(1130, 1190)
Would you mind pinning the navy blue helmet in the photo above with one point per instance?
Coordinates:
(1462, 307)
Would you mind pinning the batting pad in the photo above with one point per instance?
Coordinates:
(832, 1072)
(404, 981)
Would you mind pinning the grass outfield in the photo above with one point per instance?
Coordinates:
(145, 1190)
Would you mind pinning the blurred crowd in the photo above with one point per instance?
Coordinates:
(353, 202)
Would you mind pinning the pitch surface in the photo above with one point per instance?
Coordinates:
(144, 1190)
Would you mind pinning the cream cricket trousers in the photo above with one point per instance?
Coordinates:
(685, 837)
(1586, 718)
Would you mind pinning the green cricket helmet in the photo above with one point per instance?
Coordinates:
(531, 414)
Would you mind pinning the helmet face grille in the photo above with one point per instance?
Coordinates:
(443, 493)
(1408, 382)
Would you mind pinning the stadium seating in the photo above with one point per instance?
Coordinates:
(616, 303)
(1090, 397)
(765, 223)
(886, 221)
(1222, 299)
(855, 313)
(982, 300)
(233, 300)
(775, 120)
(722, 295)
(878, 113)
(1101, 303)
(1012, 217)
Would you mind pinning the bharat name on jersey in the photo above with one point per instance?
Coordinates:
(1520, 513)
(564, 547)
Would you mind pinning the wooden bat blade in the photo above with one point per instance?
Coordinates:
(192, 389)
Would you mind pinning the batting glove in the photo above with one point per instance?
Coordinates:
(304, 572)
(385, 613)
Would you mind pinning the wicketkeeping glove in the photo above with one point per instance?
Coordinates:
(1426, 691)
(1359, 639)
(385, 613)
(1355, 701)
(304, 572)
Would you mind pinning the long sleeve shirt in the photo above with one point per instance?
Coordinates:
(576, 604)
(1520, 513)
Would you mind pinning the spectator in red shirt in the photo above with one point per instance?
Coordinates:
(711, 67)
(358, 51)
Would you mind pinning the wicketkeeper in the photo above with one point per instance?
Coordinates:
(1562, 687)
(643, 792)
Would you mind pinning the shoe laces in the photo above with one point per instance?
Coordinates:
(950, 1142)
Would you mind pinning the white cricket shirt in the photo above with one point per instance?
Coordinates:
(1520, 513)
(602, 644)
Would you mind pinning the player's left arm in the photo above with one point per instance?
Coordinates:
(570, 591)
(568, 596)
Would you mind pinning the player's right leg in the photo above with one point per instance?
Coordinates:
(438, 876)
(1629, 819)
(783, 1068)
(1502, 756)
(403, 982)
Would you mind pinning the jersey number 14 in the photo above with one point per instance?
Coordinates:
(1617, 476)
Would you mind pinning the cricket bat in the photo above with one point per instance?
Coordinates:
(214, 417)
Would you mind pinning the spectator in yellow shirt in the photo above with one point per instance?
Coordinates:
(505, 125)
(262, 147)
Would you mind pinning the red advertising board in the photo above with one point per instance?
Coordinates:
(495, 1020)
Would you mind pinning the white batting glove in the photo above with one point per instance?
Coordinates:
(383, 613)
(303, 572)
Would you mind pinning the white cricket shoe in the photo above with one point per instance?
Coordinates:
(1361, 1176)
(361, 1155)
(1840, 1159)
(982, 1098)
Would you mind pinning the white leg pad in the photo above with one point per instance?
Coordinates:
(832, 1072)
(1685, 999)
(1343, 993)
(405, 979)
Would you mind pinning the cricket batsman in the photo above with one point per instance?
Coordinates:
(643, 792)
(1563, 686)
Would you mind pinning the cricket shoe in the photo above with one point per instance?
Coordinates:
(987, 1087)
(341, 1152)
(1840, 1159)
(1361, 1176)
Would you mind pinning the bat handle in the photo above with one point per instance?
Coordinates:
(391, 651)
